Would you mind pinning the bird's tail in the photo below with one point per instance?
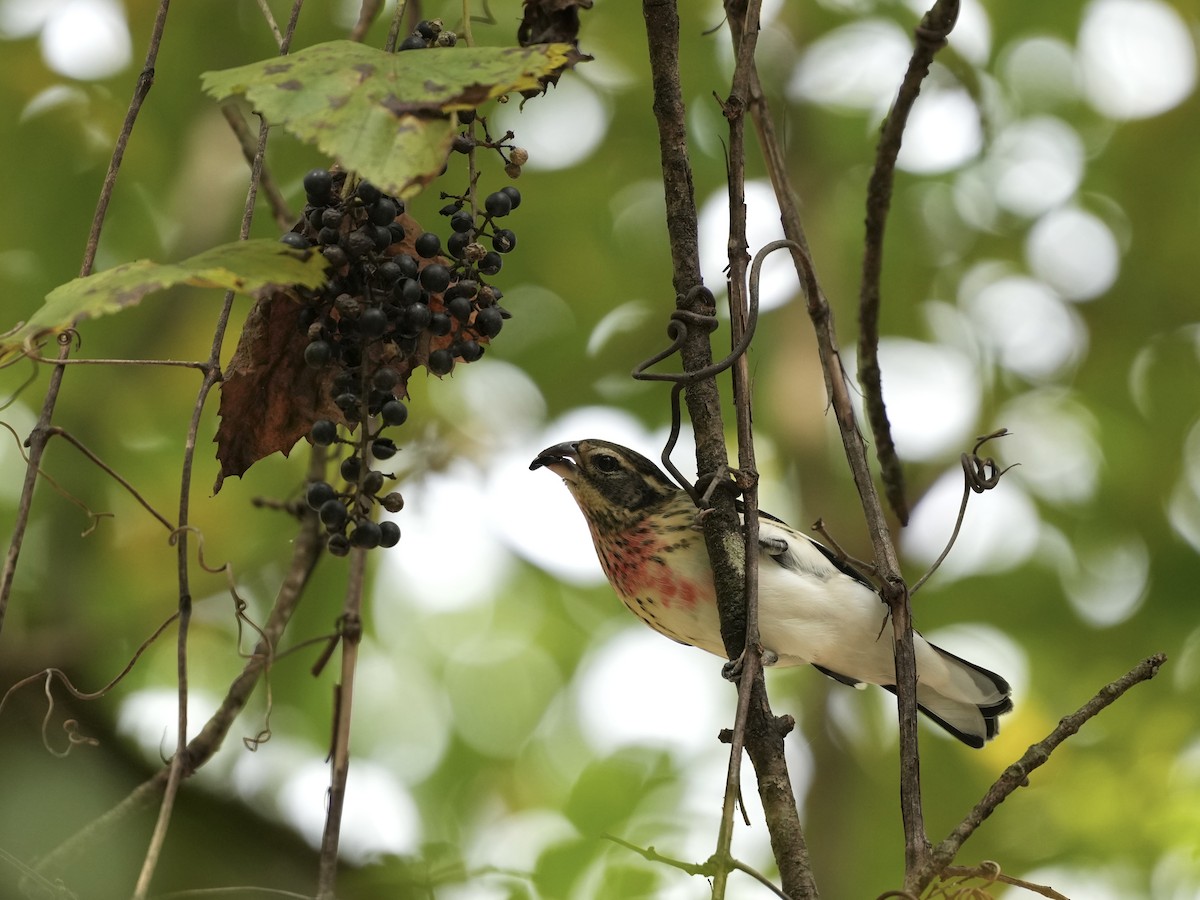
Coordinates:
(965, 699)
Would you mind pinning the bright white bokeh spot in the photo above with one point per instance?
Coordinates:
(1137, 56)
(857, 66)
(514, 841)
(1035, 165)
(1053, 438)
(943, 132)
(150, 718)
(1074, 252)
(1000, 530)
(87, 39)
(1094, 883)
(1041, 71)
(1030, 329)
(502, 399)
(619, 706)
(448, 557)
(972, 35)
(560, 130)
(379, 815)
(777, 282)
(932, 395)
(1109, 581)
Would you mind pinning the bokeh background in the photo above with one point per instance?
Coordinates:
(1040, 275)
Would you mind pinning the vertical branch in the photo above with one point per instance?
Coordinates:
(892, 588)
(212, 375)
(351, 635)
(40, 435)
(931, 37)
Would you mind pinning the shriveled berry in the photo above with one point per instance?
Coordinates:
(462, 143)
(318, 183)
(504, 240)
(319, 493)
(331, 217)
(498, 204)
(335, 256)
(428, 245)
(333, 513)
(347, 402)
(394, 412)
(514, 195)
(428, 29)
(383, 448)
(440, 362)
(435, 278)
(489, 321)
(518, 157)
(389, 534)
(323, 432)
(318, 353)
(338, 545)
(393, 502)
(361, 241)
(295, 240)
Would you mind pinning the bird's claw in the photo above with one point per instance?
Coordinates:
(732, 670)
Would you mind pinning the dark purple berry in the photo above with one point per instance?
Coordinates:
(514, 196)
(435, 278)
(295, 240)
(347, 402)
(439, 324)
(383, 448)
(466, 116)
(407, 291)
(469, 351)
(386, 378)
(318, 494)
(498, 204)
(491, 263)
(335, 256)
(456, 244)
(318, 353)
(338, 545)
(323, 433)
(350, 468)
(428, 245)
(427, 29)
(331, 217)
(415, 318)
(489, 321)
(373, 322)
(412, 42)
(440, 362)
(462, 221)
(408, 265)
(389, 534)
(460, 308)
(366, 534)
(504, 240)
(317, 184)
(394, 413)
(372, 483)
(388, 272)
(368, 193)
(333, 513)
(329, 236)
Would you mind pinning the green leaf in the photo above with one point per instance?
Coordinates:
(386, 115)
(257, 268)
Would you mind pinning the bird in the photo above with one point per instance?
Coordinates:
(813, 607)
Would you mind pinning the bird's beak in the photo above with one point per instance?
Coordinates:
(562, 459)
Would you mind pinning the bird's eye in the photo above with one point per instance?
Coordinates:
(606, 463)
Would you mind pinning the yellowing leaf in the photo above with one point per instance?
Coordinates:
(386, 115)
(256, 268)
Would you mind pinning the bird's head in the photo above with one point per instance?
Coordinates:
(613, 485)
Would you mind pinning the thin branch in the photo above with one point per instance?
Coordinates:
(39, 436)
(710, 868)
(366, 15)
(1017, 775)
(211, 376)
(284, 217)
(271, 23)
(351, 635)
(393, 35)
(989, 873)
(930, 37)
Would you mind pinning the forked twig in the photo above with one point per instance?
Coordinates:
(709, 868)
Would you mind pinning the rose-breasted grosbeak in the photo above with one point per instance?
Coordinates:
(812, 607)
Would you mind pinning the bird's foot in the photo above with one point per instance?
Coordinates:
(732, 670)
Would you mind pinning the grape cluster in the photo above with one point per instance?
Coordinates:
(392, 302)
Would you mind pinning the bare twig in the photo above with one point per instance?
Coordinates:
(1017, 775)
(39, 436)
(709, 868)
(930, 37)
(211, 376)
(989, 873)
(393, 35)
(284, 217)
(271, 23)
(366, 15)
(351, 635)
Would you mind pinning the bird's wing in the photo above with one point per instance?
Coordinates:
(800, 553)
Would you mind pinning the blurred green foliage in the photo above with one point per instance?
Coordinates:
(500, 783)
